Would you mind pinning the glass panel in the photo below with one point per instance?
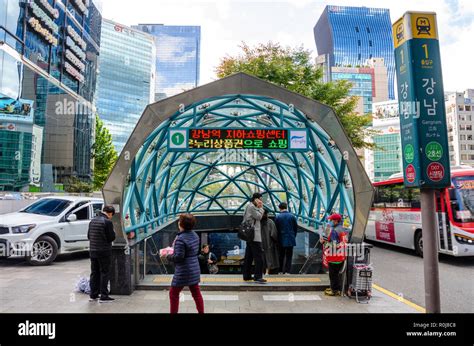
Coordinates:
(169, 183)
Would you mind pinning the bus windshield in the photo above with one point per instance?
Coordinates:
(462, 199)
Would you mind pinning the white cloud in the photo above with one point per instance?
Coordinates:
(226, 23)
(175, 49)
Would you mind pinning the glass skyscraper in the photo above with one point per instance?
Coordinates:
(177, 57)
(48, 66)
(352, 35)
(126, 80)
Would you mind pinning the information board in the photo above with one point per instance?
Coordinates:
(421, 100)
(202, 139)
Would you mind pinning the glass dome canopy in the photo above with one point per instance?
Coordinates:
(162, 183)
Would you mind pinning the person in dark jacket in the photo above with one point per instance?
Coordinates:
(287, 226)
(101, 235)
(206, 258)
(270, 243)
(185, 258)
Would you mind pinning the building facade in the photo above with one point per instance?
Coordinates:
(349, 36)
(126, 81)
(49, 58)
(177, 57)
(369, 82)
(460, 118)
(361, 81)
(386, 159)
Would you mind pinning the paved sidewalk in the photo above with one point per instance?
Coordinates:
(26, 289)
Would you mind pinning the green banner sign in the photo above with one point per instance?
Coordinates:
(212, 139)
(421, 98)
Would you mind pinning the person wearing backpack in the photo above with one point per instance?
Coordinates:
(254, 250)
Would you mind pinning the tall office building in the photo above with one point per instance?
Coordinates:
(460, 117)
(126, 81)
(349, 36)
(177, 57)
(386, 159)
(48, 59)
(369, 82)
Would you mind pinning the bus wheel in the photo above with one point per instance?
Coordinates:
(419, 243)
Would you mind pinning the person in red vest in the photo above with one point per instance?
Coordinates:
(335, 253)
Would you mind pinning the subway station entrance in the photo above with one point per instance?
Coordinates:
(205, 152)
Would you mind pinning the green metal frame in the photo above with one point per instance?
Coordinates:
(162, 184)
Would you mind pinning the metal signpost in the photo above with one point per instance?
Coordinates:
(423, 129)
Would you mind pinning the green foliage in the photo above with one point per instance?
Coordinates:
(75, 185)
(103, 153)
(293, 69)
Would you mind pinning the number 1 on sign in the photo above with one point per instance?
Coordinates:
(425, 47)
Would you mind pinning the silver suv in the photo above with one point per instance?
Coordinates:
(48, 227)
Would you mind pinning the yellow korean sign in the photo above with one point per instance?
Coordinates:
(423, 25)
(399, 32)
(414, 25)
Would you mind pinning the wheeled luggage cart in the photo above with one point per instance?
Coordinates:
(359, 274)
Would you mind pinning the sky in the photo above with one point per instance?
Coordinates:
(227, 23)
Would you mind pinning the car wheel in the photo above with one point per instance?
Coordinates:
(45, 250)
(419, 244)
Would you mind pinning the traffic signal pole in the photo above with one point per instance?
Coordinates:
(430, 228)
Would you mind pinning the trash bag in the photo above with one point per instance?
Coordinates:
(83, 285)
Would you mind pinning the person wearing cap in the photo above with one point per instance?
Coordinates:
(334, 251)
(254, 250)
(101, 235)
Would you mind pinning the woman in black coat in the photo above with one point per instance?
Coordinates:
(206, 258)
(185, 258)
(270, 243)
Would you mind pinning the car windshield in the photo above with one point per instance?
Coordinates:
(462, 199)
(49, 207)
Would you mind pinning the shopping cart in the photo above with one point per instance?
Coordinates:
(360, 273)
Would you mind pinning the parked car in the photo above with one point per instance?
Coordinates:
(48, 227)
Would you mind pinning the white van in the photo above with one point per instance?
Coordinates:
(48, 227)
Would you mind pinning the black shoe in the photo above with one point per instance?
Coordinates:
(106, 300)
(93, 299)
(260, 281)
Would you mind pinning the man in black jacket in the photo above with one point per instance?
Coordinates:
(101, 235)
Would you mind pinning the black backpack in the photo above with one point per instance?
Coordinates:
(247, 230)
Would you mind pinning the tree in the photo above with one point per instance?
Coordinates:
(103, 153)
(75, 185)
(293, 69)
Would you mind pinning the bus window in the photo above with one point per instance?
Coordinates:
(462, 199)
(396, 196)
(415, 201)
(382, 196)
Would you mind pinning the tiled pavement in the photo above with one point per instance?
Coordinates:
(26, 289)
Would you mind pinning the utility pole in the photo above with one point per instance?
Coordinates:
(430, 228)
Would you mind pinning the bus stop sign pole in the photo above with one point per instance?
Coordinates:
(423, 130)
(429, 222)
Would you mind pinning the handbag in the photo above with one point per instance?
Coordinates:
(213, 268)
(246, 231)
